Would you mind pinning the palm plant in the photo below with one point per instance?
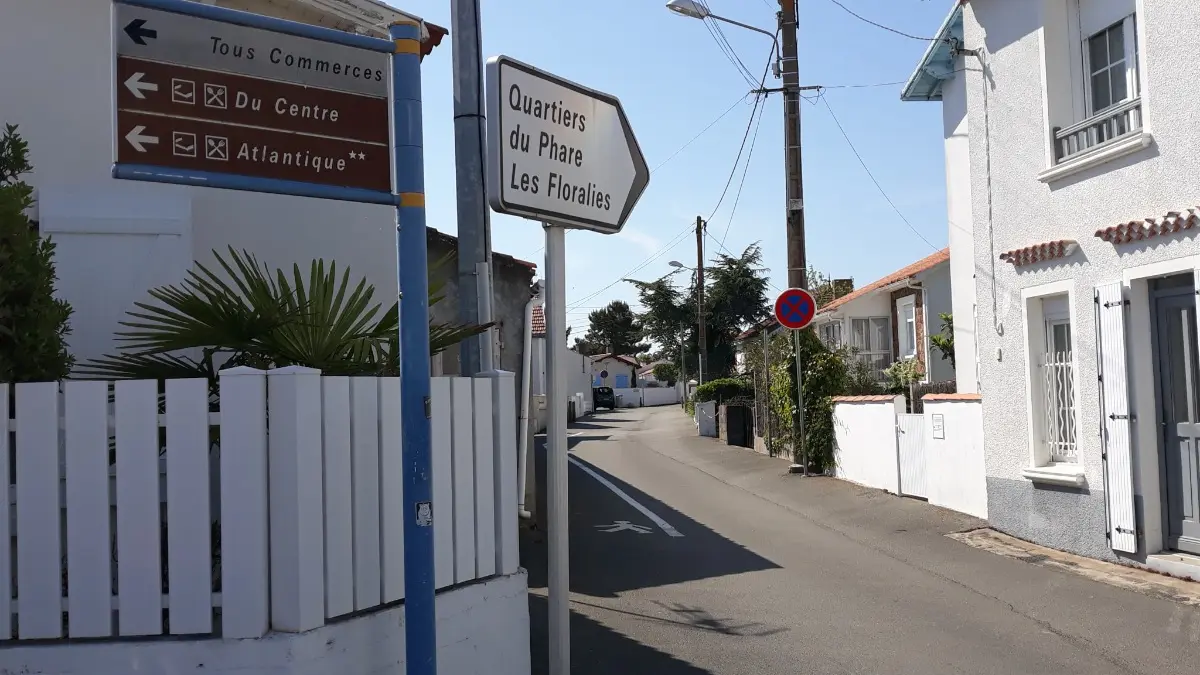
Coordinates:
(251, 316)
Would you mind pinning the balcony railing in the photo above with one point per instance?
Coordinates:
(1098, 130)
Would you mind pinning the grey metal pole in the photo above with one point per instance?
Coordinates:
(799, 424)
(474, 217)
(767, 385)
(558, 580)
(700, 359)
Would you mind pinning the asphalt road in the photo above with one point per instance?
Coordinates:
(772, 573)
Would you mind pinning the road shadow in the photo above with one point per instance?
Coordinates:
(606, 564)
(598, 650)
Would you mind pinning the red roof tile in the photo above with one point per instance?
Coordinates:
(922, 265)
(951, 397)
(1137, 230)
(877, 398)
(1051, 250)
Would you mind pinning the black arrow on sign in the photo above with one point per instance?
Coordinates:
(136, 32)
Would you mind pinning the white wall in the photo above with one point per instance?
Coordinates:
(653, 396)
(954, 462)
(865, 430)
(706, 418)
(60, 92)
(482, 629)
(1149, 182)
(961, 234)
(629, 397)
(614, 367)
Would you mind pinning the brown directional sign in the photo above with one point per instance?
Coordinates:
(169, 89)
(201, 145)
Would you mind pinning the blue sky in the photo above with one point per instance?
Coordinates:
(674, 80)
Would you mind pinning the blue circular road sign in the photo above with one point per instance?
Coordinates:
(795, 308)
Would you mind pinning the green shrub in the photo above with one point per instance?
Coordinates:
(724, 389)
(33, 323)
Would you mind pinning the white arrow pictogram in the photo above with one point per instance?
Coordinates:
(136, 86)
(136, 138)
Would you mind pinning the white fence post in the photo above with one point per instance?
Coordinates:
(464, 479)
(364, 457)
(504, 469)
(5, 514)
(442, 448)
(39, 549)
(483, 412)
(245, 575)
(89, 529)
(391, 488)
(296, 499)
(189, 513)
(339, 497)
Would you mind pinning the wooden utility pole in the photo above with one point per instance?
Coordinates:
(700, 298)
(796, 259)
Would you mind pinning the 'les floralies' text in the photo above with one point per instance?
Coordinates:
(551, 146)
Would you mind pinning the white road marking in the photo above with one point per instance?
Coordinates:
(622, 525)
(662, 524)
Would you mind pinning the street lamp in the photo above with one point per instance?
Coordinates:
(676, 263)
(695, 10)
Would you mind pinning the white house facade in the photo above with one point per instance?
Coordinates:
(1082, 162)
(892, 318)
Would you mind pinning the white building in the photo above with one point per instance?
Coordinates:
(892, 318)
(1080, 142)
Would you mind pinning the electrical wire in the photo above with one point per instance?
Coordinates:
(745, 170)
(872, 176)
(702, 132)
(889, 29)
(718, 35)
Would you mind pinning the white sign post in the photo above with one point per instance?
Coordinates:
(565, 155)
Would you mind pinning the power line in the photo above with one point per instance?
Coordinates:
(864, 86)
(718, 35)
(872, 176)
(864, 19)
(745, 170)
(675, 241)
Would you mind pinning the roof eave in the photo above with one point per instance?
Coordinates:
(375, 16)
(937, 64)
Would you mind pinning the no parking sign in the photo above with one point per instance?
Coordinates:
(795, 308)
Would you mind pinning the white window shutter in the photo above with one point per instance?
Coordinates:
(1116, 417)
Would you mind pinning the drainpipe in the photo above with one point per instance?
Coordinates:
(526, 374)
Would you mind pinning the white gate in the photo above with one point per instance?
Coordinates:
(910, 437)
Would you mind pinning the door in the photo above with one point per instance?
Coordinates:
(1178, 383)
(910, 436)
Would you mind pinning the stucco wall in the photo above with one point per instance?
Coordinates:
(954, 462)
(482, 629)
(614, 367)
(1008, 129)
(865, 448)
(961, 227)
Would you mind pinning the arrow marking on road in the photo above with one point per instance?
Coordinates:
(136, 86)
(622, 525)
(136, 138)
(662, 524)
(137, 32)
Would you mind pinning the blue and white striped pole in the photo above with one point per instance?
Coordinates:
(420, 638)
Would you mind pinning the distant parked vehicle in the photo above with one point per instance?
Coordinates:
(603, 397)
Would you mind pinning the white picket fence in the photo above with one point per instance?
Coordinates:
(135, 510)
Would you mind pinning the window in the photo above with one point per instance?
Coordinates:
(1051, 379)
(1092, 86)
(871, 340)
(1111, 66)
(831, 334)
(906, 313)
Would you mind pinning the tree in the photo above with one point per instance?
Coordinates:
(613, 330)
(666, 372)
(826, 290)
(33, 323)
(944, 341)
(735, 298)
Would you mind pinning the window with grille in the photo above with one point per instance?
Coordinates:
(831, 334)
(1058, 392)
(871, 339)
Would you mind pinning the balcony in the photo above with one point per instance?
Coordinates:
(1098, 131)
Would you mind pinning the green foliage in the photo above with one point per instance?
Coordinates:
(735, 298)
(724, 390)
(689, 407)
(826, 290)
(666, 372)
(33, 323)
(612, 330)
(246, 315)
(944, 341)
(904, 373)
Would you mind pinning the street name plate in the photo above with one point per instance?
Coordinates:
(200, 95)
(203, 43)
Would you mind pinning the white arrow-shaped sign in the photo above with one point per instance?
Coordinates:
(136, 86)
(559, 152)
(136, 138)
